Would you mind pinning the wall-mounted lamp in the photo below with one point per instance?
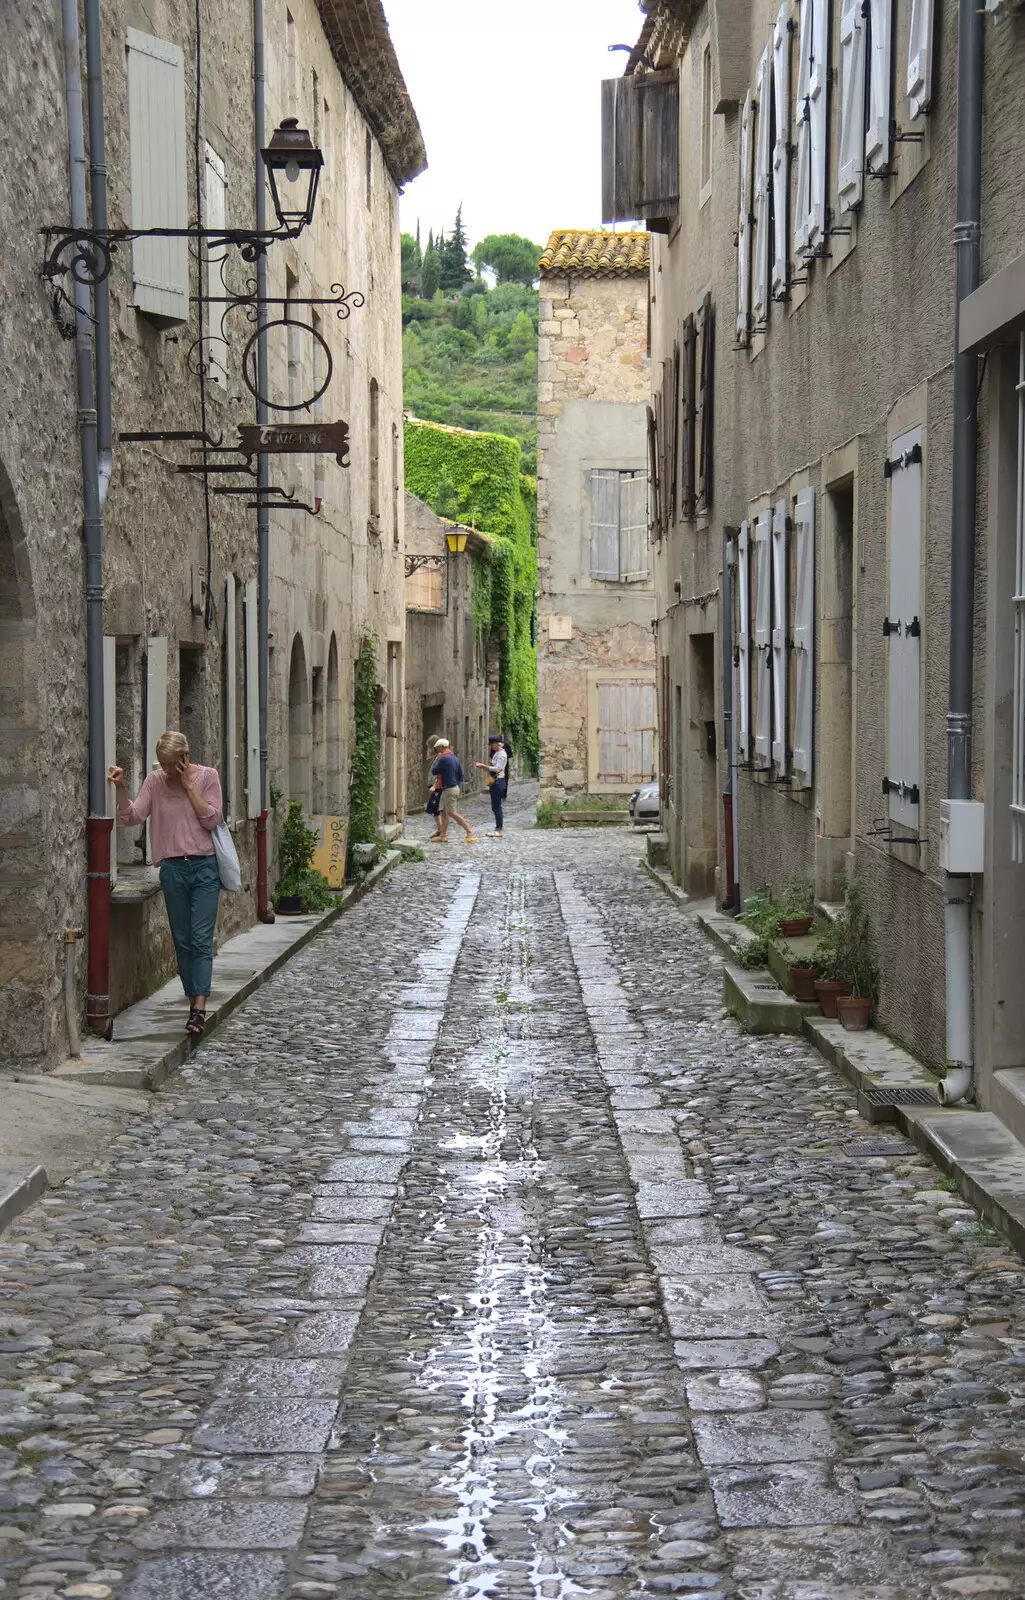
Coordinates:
(456, 542)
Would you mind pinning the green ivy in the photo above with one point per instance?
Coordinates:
(363, 780)
(477, 478)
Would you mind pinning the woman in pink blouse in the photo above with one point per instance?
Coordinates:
(183, 804)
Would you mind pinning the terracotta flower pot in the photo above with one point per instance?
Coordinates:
(828, 991)
(795, 927)
(854, 1012)
(802, 983)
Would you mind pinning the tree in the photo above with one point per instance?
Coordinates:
(522, 334)
(455, 270)
(510, 257)
(412, 260)
(430, 273)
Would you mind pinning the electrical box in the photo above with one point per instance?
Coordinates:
(962, 835)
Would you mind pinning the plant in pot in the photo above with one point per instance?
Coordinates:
(855, 1008)
(829, 958)
(802, 974)
(761, 916)
(796, 907)
(300, 888)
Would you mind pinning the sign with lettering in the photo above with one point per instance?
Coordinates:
(332, 843)
(295, 438)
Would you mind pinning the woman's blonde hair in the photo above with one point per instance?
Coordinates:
(171, 746)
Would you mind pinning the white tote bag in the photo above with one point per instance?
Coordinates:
(227, 858)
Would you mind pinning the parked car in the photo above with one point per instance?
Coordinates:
(645, 805)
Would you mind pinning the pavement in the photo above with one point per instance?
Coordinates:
(479, 1253)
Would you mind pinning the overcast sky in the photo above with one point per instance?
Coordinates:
(508, 99)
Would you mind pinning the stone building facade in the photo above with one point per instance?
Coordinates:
(804, 590)
(179, 558)
(596, 600)
(450, 682)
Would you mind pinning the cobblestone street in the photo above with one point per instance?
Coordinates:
(480, 1254)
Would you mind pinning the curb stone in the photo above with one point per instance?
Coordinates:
(16, 1197)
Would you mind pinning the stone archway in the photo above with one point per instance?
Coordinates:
(299, 729)
(23, 899)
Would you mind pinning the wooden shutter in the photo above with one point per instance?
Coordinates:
(803, 181)
(604, 497)
(688, 383)
(781, 152)
(706, 451)
(215, 214)
(920, 52)
(640, 730)
(761, 662)
(818, 85)
(804, 637)
(744, 223)
(613, 755)
(156, 120)
(877, 134)
(110, 737)
(903, 631)
(230, 774)
(640, 149)
(156, 706)
(654, 506)
(674, 430)
(253, 796)
(762, 190)
(851, 164)
(780, 674)
(634, 566)
(742, 652)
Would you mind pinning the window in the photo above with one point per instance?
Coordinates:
(803, 720)
(853, 146)
(744, 222)
(191, 699)
(425, 589)
(688, 419)
(781, 153)
(903, 631)
(762, 192)
(375, 457)
(920, 50)
(761, 655)
(742, 653)
(812, 79)
(215, 216)
(780, 637)
(156, 120)
(877, 134)
(640, 149)
(706, 121)
(619, 526)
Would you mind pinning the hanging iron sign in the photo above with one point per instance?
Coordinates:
(295, 438)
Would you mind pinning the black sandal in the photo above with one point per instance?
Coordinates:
(196, 1022)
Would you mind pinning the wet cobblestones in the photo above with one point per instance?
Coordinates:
(480, 1254)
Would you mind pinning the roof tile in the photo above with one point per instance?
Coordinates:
(596, 253)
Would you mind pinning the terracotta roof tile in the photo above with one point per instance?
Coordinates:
(361, 43)
(597, 253)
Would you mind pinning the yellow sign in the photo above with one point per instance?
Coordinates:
(329, 856)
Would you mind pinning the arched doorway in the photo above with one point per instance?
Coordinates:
(334, 732)
(24, 961)
(299, 731)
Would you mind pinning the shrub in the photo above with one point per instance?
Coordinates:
(295, 853)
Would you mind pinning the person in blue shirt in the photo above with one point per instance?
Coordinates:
(448, 775)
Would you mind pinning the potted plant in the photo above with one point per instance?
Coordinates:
(300, 888)
(796, 907)
(828, 957)
(761, 915)
(802, 974)
(855, 1008)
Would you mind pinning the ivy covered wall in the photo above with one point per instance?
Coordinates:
(477, 478)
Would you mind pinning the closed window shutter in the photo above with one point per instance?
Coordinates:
(215, 212)
(802, 184)
(156, 119)
(920, 46)
(110, 736)
(613, 752)
(604, 492)
(156, 706)
(762, 189)
(675, 431)
(654, 505)
(877, 136)
(780, 675)
(804, 637)
(851, 169)
(903, 636)
(633, 526)
(817, 101)
(744, 223)
(761, 664)
(743, 657)
(780, 151)
(706, 452)
(253, 796)
(230, 774)
(688, 402)
(640, 149)
(640, 731)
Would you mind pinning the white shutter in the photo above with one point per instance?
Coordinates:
(903, 639)
(215, 212)
(851, 166)
(780, 150)
(156, 706)
(779, 636)
(877, 136)
(817, 100)
(604, 493)
(744, 224)
(804, 636)
(802, 186)
(762, 187)
(640, 731)
(110, 737)
(613, 752)
(743, 645)
(920, 39)
(633, 526)
(761, 662)
(253, 797)
(156, 120)
(230, 704)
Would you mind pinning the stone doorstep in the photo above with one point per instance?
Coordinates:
(18, 1193)
(662, 877)
(151, 1043)
(759, 1004)
(981, 1155)
(725, 931)
(869, 1060)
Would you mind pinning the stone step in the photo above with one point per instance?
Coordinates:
(1007, 1099)
(983, 1158)
(731, 936)
(883, 1074)
(758, 1002)
(657, 846)
(18, 1190)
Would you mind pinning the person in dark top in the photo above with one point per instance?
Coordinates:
(449, 777)
(497, 770)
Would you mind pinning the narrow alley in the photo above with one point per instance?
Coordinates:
(480, 1254)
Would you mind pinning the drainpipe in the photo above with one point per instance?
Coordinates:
(98, 201)
(958, 890)
(98, 825)
(263, 909)
(730, 896)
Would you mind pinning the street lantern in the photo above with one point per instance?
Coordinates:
(293, 165)
(456, 542)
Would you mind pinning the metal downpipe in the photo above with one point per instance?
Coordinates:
(957, 912)
(98, 200)
(263, 907)
(729, 798)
